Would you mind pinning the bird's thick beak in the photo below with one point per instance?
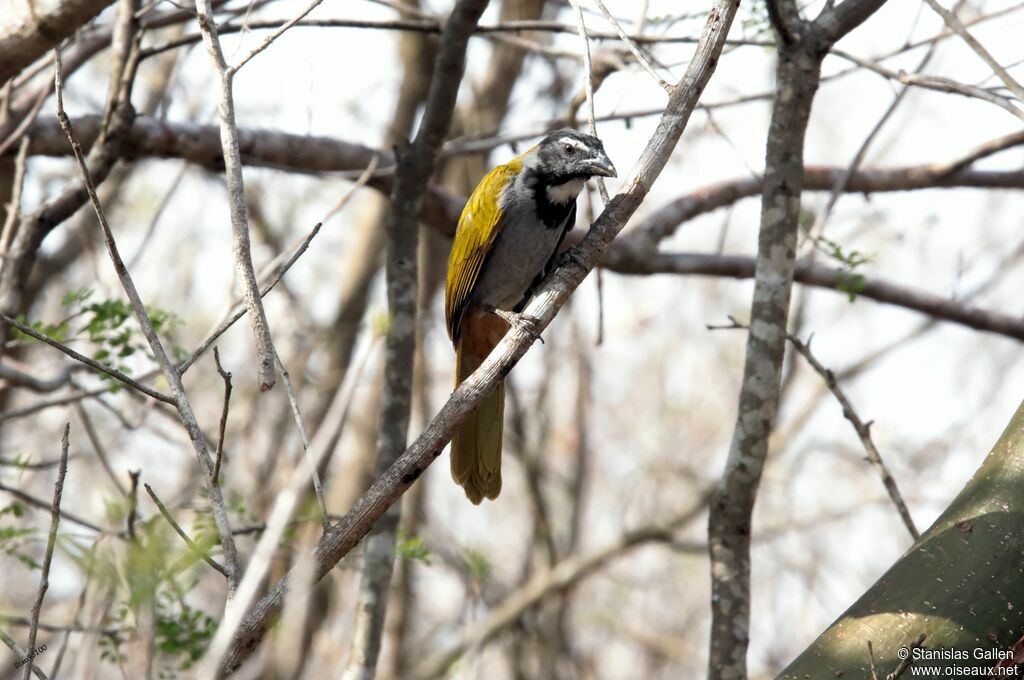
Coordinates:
(603, 167)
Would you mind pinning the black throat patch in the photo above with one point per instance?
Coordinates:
(551, 213)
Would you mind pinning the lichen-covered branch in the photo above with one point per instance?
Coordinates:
(800, 50)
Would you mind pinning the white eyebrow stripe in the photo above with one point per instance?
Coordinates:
(575, 142)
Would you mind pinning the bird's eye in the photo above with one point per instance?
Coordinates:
(570, 149)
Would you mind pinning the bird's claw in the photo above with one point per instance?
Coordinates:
(568, 256)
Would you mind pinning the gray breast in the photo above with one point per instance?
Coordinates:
(522, 249)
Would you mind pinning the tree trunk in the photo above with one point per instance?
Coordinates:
(960, 584)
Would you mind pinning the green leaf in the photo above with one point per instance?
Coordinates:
(76, 297)
(477, 563)
(411, 548)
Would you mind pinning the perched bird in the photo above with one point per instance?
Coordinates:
(506, 241)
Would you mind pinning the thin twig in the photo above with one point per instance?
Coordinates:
(133, 503)
(109, 370)
(232, 70)
(640, 57)
(44, 404)
(298, 252)
(53, 628)
(97, 445)
(20, 652)
(226, 376)
(230, 320)
(27, 121)
(164, 203)
(858, 158)
(304, 437)
(55, 669)
(953, 22)
(588, 85)
(25, 465)
(871, 661)
(14, 206)
(323, 442)
(236, 200)
(359, 183)
(51, 542)
(862, 429)
(907, 662)
(202, 554)
(43, 505)
(938, 83)
(170, 373)
(863, 432)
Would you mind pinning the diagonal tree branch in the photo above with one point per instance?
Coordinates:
(863, 431)
(551, 295)
(51, 542)
(954, 24)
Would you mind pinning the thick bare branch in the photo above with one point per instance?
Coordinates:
(956, 311)
(29, 34)
(835, 21)
(199, 144)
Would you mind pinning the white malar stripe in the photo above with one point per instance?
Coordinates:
(565, 192)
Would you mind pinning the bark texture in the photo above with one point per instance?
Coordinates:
(797, 74)
(800, 47)
(27, 34)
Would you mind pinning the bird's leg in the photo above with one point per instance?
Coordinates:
(524, 322)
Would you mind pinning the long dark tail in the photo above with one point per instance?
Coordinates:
(476, 446)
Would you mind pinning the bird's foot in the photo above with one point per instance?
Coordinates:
(568, 256)
(527, 323)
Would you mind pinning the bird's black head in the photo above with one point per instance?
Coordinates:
(566, 155)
